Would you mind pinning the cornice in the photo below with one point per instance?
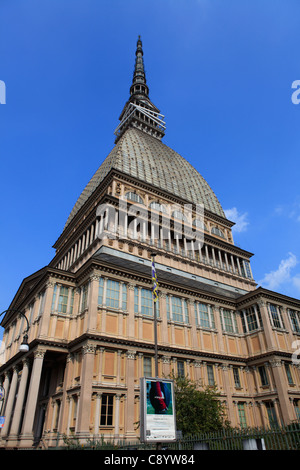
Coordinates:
(262, 293)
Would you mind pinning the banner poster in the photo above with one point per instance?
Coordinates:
(158, 419)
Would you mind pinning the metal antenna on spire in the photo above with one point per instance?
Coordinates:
(139, 111)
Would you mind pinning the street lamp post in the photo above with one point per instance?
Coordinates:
(24, 347)
(153, 254)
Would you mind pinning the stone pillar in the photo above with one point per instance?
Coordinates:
(130, 318)
(20, 400)
(166, 366)
(27, 431)
(93, 303)
(163, 316)
(280, 384)
(84, 408)
(69, 402)
(67, 376)
(117, 414)
(130, 360)
(198, 369)
(193, 330)
(219, 328)
(45, 319)
(97, 413)
(269, 336)
(6, 390)
(10, 402)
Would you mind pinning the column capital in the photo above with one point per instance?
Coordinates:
(39, 353)
(130, 354)
(89, 348)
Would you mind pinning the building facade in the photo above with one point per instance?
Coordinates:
(90, 311)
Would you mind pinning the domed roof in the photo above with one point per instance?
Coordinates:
(147, 159)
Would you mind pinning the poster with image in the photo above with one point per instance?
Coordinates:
(158, 423)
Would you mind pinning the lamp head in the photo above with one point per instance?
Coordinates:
(24, 347)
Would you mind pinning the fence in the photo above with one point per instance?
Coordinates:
(275, 438)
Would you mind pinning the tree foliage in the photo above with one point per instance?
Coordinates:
(197, 410)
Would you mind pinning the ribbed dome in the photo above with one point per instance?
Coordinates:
(146, 158)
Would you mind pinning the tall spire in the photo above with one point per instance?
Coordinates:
(139, 86)
(139, 111)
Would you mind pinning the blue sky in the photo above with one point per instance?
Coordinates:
(220, 71)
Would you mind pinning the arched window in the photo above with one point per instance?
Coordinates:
(158, 207)
(199, 224)
(179, 215)
(218, 232)
(134, 197)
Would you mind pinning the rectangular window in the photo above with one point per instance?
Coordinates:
(112, 294)
(247, 269)
(116, 294)
(177, 313)
(101, 291)
(288, 373)
(54, 298)
(297, 408)
(180, 368)
(63, 299)
(124, 296)
(229, 321)
(263, 376)
(42, 302)
(107, 407)
(236, 377)
(271, 414)
(147, 367)
(84, 296)
(242, 415)
(204, 316)
(275, 316)
(143, 302)
(210, 375)
(177, 309)
(251, 319)
(295, 320)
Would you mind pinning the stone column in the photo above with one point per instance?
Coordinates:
(280, 384)
(198, 368)
(27, 431)
(10, 402)
(130, 360)
(6, 390)
(130, 318)
(193, 330)
(69, 402)
(67, 379)
(97, 413)
(163, 316)
(117, 414)
(84, 408)
(216, 314)
(93, 303)
(45, 319)
(20, 400)
(269, 336)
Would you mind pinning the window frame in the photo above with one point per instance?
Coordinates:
(107, 410)
(264, 379)
(210, 375)
(177, 309)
